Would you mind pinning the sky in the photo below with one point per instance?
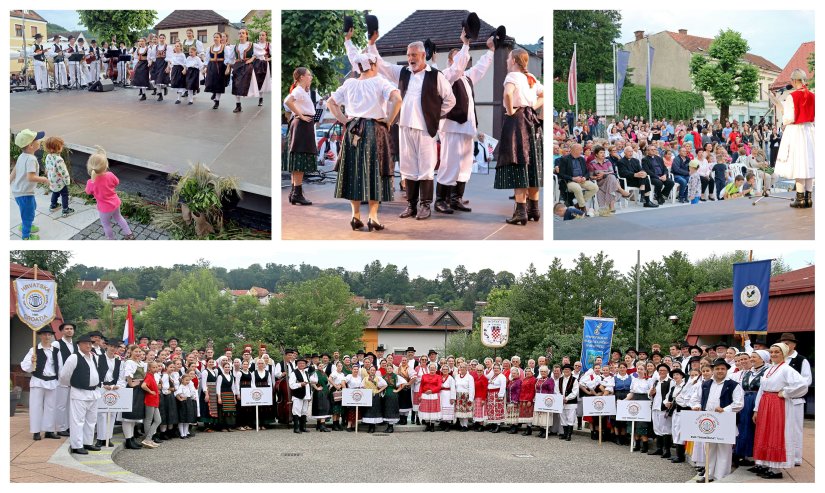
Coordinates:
(71, 21)
(426, 261)
(513, 20)
(772, 34)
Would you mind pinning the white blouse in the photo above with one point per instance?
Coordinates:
(187, 391)
(789, 381)
(465, 385)
(194, 62)
(302, 101)
(176, 59)
(524, 95)
(500, 383)
(364, 98)
(641, 385)
(354, 381)
(259, 50)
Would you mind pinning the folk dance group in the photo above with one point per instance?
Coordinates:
(429, 104)
(76, 65)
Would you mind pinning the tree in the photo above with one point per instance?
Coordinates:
(313, 39)
(260, 23)
(52, 29)
(54, 261)
(78, 304)
(593, 32)
(723, 72)
(811, 72)
(125, 24)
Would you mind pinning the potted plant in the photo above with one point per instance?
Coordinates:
(202, 195)
(16, 393)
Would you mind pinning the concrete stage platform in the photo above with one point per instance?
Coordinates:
(738, 219)
(328, 218)
(160, 136)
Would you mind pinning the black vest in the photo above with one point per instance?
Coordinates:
(796, 363)
(226, 384)
(103, 369)
(430, 99)
(41, 365)
(461, 111)
(565, 392)
(39, 57)
(664, 388)
(261, 382)
(300, 392)
(82, 373)
(65, 352)
(725, 398)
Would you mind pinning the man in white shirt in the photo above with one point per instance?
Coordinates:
(113, 371)
(81, 374)
(568, 388)
(426, 98)
(43, 364)
(301, 395)
(67, 348)
(801, 365)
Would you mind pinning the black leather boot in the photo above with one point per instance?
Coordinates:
(799, 203)
(425, 199)
(533, 210)
(528, 431)
(644, 447)
(496, 429)
(637, 446)
(298, 196)
(238, 108)
(402, 420)
(649, 203)
(542, 433)
(809, 200)
(413, 188)
(680, 455)
(658, 450)
(304, 424)
(217, 103)
(457, 197)
(569, 436)
(519, 215)
(296, 426)
(666, 447)
(442, 192)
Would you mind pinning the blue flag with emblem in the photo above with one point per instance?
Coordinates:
(751, 283)
(597, 338)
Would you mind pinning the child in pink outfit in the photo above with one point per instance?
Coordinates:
(102, 185)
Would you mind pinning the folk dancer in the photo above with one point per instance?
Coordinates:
(262, 66)
(301, 396)
(41, 70)
(244, 83)
(796, 149)
(44, 365)
(112, 373)
(81, 374)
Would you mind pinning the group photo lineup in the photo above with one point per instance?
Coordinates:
(672, 128)
(122, 367)
(141, 124)
(424, 124)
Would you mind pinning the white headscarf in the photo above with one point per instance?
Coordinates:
(363, 61)
(765, 355)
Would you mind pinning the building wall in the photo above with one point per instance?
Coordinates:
(210, 31)
(16, 42)
(422, 340)
(370, 339)
(109, 289)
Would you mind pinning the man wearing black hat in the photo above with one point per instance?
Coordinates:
(432, 355)
(568, 389)
(112, 373)
(719, 394)
(60, 71)
(97, 342)
(803, 367)
(80, 372)
(67, 348)
(411, 359)
(301, 395)
(427, 98)
(43, 363)
(695, 352)
(41, 71)
(677, 400)
(662, 423)
(379, 354)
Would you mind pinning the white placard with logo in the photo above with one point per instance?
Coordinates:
(705, 426)
(552, 403)
(602, 405)
(261, 396)
(357, 398)
(115, 401)
(633, 410)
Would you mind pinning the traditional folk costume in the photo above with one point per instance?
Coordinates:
(465, 394)
(41, 70)
(300, 399)
(374, 414)
(496, 391)
(59, 62)
(93, 66)
(662, 419)
(415, 391)
(280, 377)
(796, 150)
(405, 404)
(177, 80)
(391, 400)
(216, 78)
(527, 396)
(480, 383)
(729, 396)
(751, 382)
(43, 387)
(209, 415)
(301, 135)
(513, 392)
(697, 449)
(426, 98)
(429, 409)
(194, 65)
(568, 388)
(803, 367)
(458, 129)
(168, 405)
(679, 398)
(640, 391)
(157, 57)
(262, 67)
(140, 79)
(246, 414)
(244, 83)
(519, 152)
(187, 402)
(111, 371)
(447, 397)
(80, 373)
(775, 441)
(365, 168)
(263, 380)
(136, 371)
(188, 43)
(540, 418)
(354, 381)
(76, 67)
(321, 406)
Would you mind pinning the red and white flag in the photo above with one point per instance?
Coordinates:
(572, 81)
(129, 328)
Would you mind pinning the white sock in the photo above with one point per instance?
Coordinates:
(809, 184)
(238, 99)
(191, 98)
(800, 185)
(128, 429)
(217, 96)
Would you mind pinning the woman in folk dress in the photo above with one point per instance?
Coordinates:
(513, 393)
(262, 378)
(262, 66)
(337, 382)
(134, 371)
(447, 398)
(300, 157)
(796, 158)
(140, 79)
(216, 70)
(176, 63)
(390, 402)
(374, 414)
(429, 410)
(544, 385)
(243, 76)
(419, 370)
(526, 398)
(496, 390)
(465, 392)
(480, 400)
(354, 381)
(405, 395)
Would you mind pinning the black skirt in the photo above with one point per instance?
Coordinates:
(405, 398)
(302, 136)
(193, 77)
(168, 409)
(241, 78)
(159, 72)
(137, 412)
(519, 152)
(141, 79)
(321, 405)
(261, 67)
(377, 409)
(391, 405)
(216, 78)
(187, 411)
(177, 80)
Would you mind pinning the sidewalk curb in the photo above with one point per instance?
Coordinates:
(100, 464)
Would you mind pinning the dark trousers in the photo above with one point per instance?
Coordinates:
(662, 188)
(683, 185)
(720, 185)
(707, 184)
(63, 194)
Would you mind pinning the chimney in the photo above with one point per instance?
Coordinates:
(379, 305)
(683, 32)
(639, 35)
(430, 305)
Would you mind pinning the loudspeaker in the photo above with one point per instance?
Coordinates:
(107, 85)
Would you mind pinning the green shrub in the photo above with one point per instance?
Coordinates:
(667, 103)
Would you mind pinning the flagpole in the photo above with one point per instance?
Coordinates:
(34, 332)
(638, 274)
(615, 83)
(576, 75)
(649, 85)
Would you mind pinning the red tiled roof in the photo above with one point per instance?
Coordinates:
(790, 306)
(191, 18)
(383, 319)
(697, 44)
(443, 27)
(798, 60)
(30, 15)
(17, 271)
(96, 286)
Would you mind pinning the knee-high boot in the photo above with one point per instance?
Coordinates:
(413, 187)
(666, 449)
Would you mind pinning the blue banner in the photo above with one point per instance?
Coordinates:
(596, 340)
(751, 284)
(622, 61)
(649, 69)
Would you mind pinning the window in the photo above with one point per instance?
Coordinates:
(404, 319)
(202, 35)
(18, 30)
(173, 37)
(760, 92)
(34, 30)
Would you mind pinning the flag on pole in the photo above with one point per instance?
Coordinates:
(129, 328)
(751, 284)
(572, 81)
(622, 62)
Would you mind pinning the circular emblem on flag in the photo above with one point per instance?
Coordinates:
(633, 409)
(257, 395)
(707, 425)
(110, 398)
(750, 296)
(357, 396)
(35, 300)
(549, 401)
(598, 404)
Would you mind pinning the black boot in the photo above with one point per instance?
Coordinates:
(799, 203)
(160, 97)
(371, 429)
(291, 193)
(390, 429)
(127, 443)
(442, 192)
(637, 445)
(446, 427)
(402, 420)
(304, 424)
(213, 96)
(666, 447)
(649, 203)
(478, 427)
(135, 444)
(425, 198)
(100, 443)
(533, 210)
(644, 447)
(298, 196)
(296, 425)
(260, 101)
(563, 433)
(142, 97)
(496, 429)
(542, 433)
(237, 108)
(217, 103)
(680, 455)
(528, 431)
(413, 187)
(457, 197)
(808, 200)
(519, 215)
(569, 433)
(36, 437)
(658, 450)
(512, 430)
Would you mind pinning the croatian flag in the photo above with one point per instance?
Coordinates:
(572, 81)
(129, 328)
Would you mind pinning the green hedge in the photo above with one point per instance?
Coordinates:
(667, 103)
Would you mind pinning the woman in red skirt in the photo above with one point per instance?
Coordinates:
(429, 409)
(525, 401)
(773, 447)
(496, 388)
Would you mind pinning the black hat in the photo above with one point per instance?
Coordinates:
(64, 324)
(432, 351)
(633, 349)
(656, 353)
(360, 351)
(325, 354)
(567, 366)
(410, 349)
(347, 23)
(675, 371)
(429, 49)
(694, 346)
(46, 330)
(84, 338)
(142, 337)
(95, 333)
(374, 358)
(720, 361)
(288, 350)
(661, 365)
(380, 348)
(471, 25)
(694, 359)
(300, 358)
(38, 36)
(642, 351)
(315, 355)
(56, 36)
(720, 344)
(372, 24)
(762, 342)
(787, 336)
(113, 341)
(499, 36)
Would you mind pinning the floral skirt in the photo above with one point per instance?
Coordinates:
(495, 407)
(463, 405)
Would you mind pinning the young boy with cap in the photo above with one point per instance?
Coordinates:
(24, 179)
